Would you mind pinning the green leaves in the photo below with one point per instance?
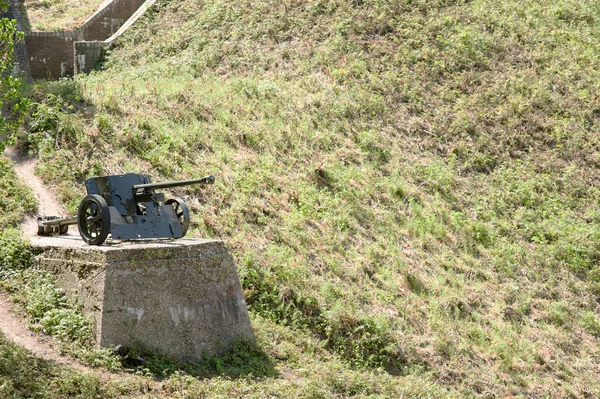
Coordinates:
(15, 198)
(12, 106)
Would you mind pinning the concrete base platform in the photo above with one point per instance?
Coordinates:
(181, 297)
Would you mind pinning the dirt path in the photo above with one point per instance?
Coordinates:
(13, 326)
(48, 205)
(15, 329)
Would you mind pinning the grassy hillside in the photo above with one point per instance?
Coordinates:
(24, 376)
(410, 188)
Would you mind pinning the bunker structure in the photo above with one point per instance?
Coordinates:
(182, 298)
(53, 55)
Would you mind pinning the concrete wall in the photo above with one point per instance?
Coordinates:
(180, 297)
(88, 53)
(52, 54)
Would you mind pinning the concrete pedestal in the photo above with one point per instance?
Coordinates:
(180, 297)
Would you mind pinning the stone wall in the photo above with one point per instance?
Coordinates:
(88, 53)
(50, 54)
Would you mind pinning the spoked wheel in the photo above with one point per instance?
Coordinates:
(182, 212)
(93, 219)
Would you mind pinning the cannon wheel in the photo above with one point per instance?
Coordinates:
(182, 212)
(93, 219)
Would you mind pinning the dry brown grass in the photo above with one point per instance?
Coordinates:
(58, 15)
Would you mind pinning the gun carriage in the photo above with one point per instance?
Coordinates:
(128, 208)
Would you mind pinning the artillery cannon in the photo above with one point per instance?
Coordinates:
(128, 208)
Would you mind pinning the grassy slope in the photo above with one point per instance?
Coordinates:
(15, 198)
(24, 376)
(410, 188)
(58, 15)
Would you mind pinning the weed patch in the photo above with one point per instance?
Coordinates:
(364, 342)
(244, 359)
(50, 311)
(16, 199)
(46, 15)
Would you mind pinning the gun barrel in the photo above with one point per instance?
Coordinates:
(210, 179)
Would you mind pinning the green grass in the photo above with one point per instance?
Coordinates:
(22, 375)
(16, 199)
(409, 188)
(47, 307)
(59, 15)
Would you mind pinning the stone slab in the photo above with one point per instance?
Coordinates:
(180, 297)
